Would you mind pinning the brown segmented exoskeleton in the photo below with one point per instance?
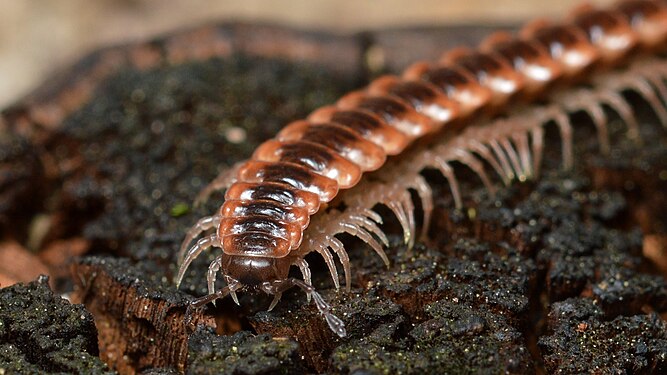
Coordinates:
(477, 107)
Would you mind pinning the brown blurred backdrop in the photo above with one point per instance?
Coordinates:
(37, 36)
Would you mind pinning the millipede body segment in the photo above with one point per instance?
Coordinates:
(479, 107)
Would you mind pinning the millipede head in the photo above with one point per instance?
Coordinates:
(252, 271)
(263, 274)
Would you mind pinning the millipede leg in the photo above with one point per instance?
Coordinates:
(471, 161)
(657, 81)
(397, 208)
(655, 73)
(276, 298)
(409, 208)
(329, 260)
(616, 102)
(280, 286)
(305, 272)
(213, 269)
(487, 155)
(204, 224)
(504, 162)
(562, 120)
(513, 158)
(361, 223)
(222, 293)
(643, 87)
(351, 226)
(521, 142)
(339, 249)
(448, 172)
(586, 101)
(369, 220)
(426, 196)
(537, 140)
(194, 252)
(599, 118)
(659, 84)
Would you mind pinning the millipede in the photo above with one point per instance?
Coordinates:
(484, 108)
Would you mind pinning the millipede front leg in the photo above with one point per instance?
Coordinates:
(204, 224)
(222, 293)
(213, 269)
(279, 286)
(305, 272)
(194, 252)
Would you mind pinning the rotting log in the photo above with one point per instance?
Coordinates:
(139, 326)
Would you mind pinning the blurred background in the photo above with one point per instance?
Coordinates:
(37, 37)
